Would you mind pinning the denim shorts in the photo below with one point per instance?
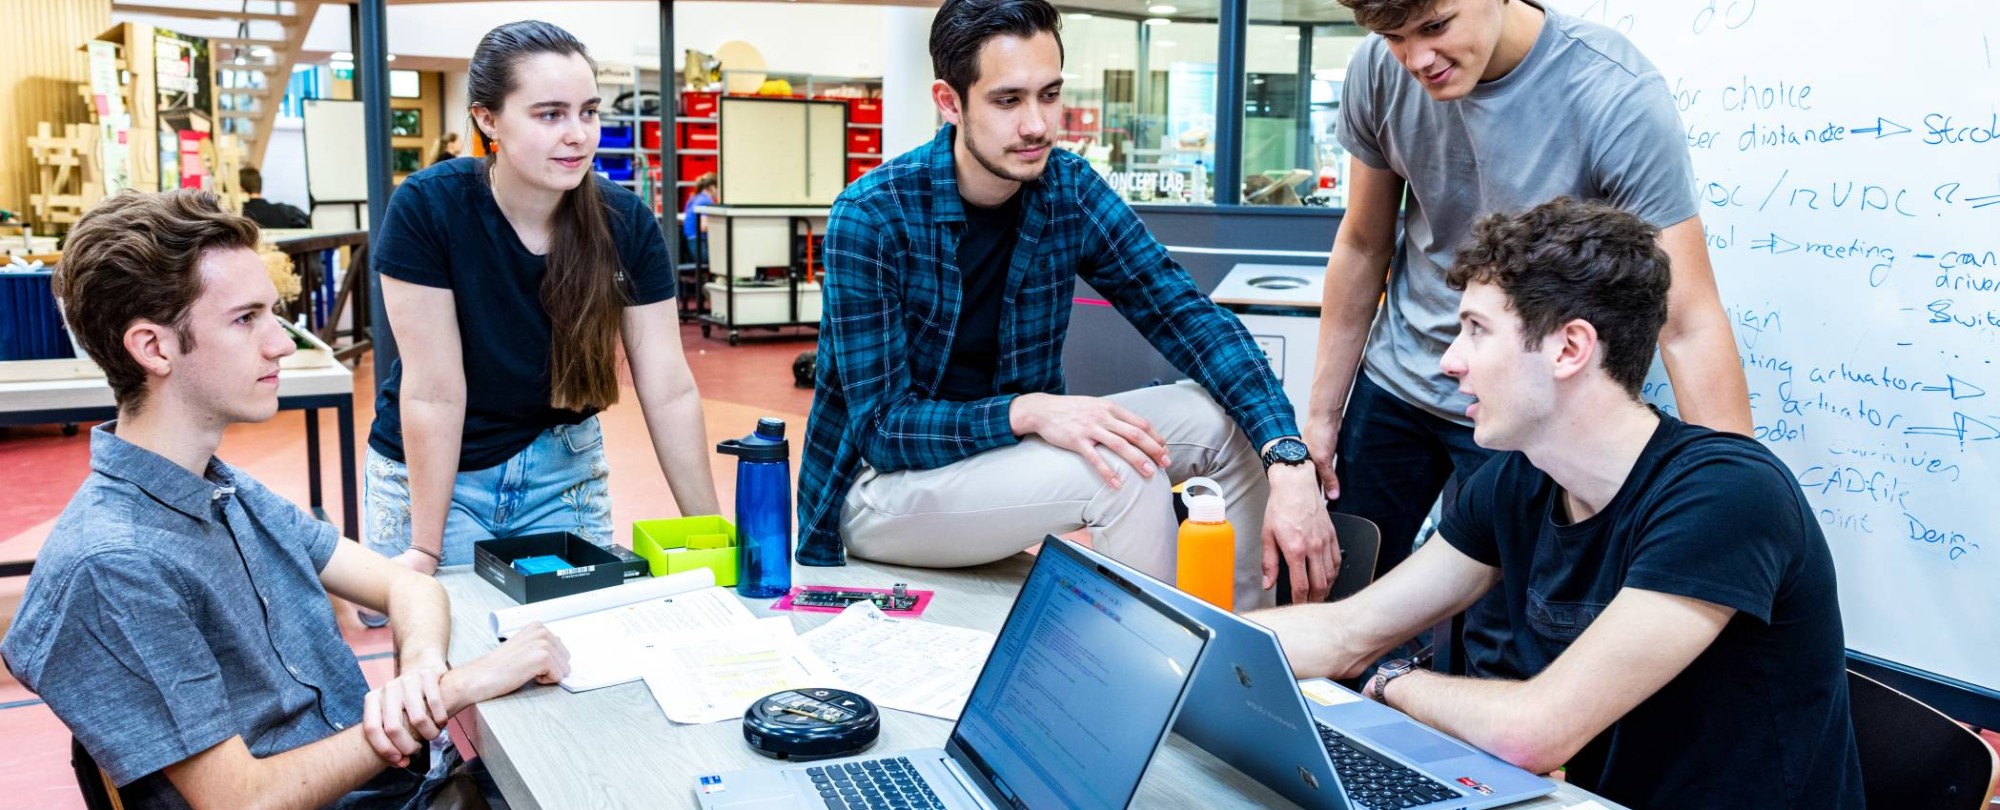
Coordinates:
(560, 482)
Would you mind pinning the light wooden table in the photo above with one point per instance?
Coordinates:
(612, 748)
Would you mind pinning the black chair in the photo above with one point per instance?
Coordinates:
(1360, 544)
(693, 277)
(1912, 757)
(98, 791)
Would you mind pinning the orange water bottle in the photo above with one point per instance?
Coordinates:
(1207, 567)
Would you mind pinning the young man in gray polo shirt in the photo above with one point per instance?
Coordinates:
(177, 621)
(1453, 110)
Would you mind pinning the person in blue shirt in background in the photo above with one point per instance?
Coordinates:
(695, 226)
(940, 435)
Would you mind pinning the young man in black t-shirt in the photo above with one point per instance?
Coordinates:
(1674, 635)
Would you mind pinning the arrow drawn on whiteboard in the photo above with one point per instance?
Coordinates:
(1964, 429)
(1883, 128)
(1775, 244)
(1959, 389)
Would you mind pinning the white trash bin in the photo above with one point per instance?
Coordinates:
(1279, 304)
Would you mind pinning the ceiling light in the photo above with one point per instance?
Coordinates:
(1291, 37)
(1161, 9)
(1078, 16)
(1157, 21)
(343, 56)
(390, 57)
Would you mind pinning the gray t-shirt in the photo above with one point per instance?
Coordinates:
(169, 612)
(1584, 114)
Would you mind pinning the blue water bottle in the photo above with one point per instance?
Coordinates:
(763, 510)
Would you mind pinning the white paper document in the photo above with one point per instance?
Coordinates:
(610, 632)
(902, 664)
(716, 674)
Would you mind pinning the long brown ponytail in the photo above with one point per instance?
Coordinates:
(580, 291)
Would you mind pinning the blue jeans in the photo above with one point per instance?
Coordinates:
(557, 483)
(1393, 461)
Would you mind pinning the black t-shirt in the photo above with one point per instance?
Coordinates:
(268, 214)
(1758, 720)
(985, 254)
(443, 229)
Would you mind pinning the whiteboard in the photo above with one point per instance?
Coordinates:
(336, 154)
(1847, 160)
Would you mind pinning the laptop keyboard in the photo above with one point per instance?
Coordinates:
(872, 785)
(1377, 782)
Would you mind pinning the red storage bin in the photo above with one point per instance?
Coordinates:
(699, 105)
(699, 136)
(649, 134)
(864, 141)
(864, 111)
(860, 166)
(693, 166)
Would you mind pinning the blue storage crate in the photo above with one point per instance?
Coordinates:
(615, 137)
(31, 327)
(615, 167)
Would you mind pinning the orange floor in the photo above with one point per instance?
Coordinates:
(39, 468)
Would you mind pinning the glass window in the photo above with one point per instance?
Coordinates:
(1295, 57)
(1140, 102)
(1098, 104)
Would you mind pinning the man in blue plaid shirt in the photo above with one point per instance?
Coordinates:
(940, 435)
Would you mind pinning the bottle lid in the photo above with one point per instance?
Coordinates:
(766, 444)
(1207, 506)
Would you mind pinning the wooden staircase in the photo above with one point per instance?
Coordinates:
(251, 72)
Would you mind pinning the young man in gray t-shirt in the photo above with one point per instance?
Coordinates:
(1475, 107)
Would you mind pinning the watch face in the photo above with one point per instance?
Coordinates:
(1290, 451)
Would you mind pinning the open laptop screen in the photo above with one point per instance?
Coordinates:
(1081, 686)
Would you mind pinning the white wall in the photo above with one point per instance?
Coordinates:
(909, 116)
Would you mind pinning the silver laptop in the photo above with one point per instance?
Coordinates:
(1319, 743)
(1081, 689)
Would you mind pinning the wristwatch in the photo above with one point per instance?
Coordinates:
(1288, 451)
(1396, 669)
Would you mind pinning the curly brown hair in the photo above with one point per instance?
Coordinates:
(136, 257)
(1568, 260)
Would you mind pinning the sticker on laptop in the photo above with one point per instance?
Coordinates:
(1325, 693)
(1475, 785)
(711, 784)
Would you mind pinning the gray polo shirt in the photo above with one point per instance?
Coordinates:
(1584, 114)
(170, 612)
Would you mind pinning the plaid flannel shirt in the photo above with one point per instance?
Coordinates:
(892, 291)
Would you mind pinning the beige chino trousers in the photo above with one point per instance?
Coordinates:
(1002, 501)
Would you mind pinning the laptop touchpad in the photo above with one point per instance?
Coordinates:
(1414, 742)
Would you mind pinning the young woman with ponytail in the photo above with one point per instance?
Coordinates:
(510, 282)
